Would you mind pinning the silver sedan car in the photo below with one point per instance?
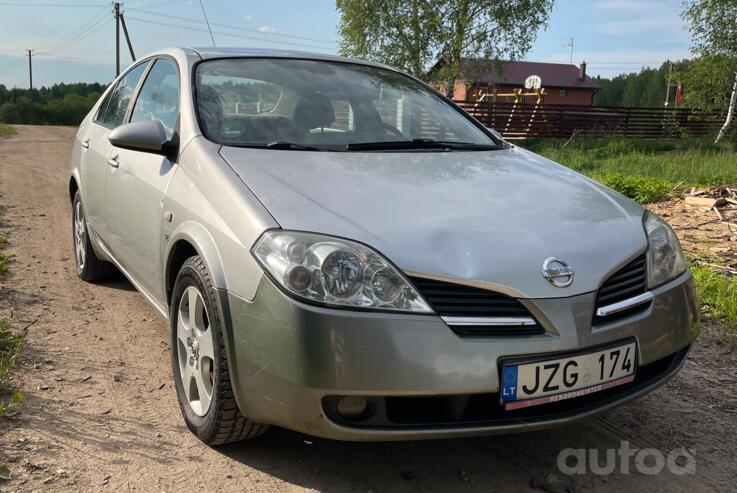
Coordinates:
(342, 251)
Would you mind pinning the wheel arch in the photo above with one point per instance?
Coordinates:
(73, 185)
(191, 239)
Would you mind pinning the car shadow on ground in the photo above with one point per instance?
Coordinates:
(517, 462)
(117, 281)
(328, 465)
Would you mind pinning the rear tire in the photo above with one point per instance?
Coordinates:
(200, 363)
(89, 267)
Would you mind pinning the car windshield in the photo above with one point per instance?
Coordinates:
(299, 104)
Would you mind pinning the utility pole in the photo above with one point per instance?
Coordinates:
(30, 69)
(116, 11)
(667, 84)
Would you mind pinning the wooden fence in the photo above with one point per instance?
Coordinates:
(562, 121)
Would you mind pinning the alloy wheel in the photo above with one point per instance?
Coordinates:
(80, 235)
(195, 351)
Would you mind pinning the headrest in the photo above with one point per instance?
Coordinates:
(211, 110)
(313, 111)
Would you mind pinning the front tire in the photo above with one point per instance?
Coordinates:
(89, 267)
(200, 363)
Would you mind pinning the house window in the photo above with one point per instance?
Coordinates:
(563, 92)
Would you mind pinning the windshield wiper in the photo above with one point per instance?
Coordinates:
(290, 146)
(420, 144)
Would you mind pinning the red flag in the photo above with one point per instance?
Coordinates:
(679, 94)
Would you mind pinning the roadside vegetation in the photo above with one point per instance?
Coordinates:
(645, 170)
(6, 130)
(10, 346)
(60, 104)
(10, 343)
(718, 296)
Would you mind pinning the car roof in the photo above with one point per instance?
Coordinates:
(236, 52)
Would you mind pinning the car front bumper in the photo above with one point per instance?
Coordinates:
(288, 359)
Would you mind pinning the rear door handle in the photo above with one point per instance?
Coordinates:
(113, 161)
(86, 144)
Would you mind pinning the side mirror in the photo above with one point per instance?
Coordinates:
(148, 136)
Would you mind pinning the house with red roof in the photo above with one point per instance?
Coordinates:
(490, 80)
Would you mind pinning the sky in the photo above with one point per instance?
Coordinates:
(74, 40)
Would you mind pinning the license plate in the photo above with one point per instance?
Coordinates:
(558, 379)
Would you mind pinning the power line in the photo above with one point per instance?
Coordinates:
(34, 4)
(159, 5)
(100, 25)
(82, 35)
(92, 25)
(230, 26)
(19, 61)
(83, 32)
(242, 36)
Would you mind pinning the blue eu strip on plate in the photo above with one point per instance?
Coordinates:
(509, 383)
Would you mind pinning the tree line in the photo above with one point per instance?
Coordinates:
(60, 104)
(706, 83)
(429, 38)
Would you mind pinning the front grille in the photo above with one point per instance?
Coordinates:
(627, 283)
(458, 300)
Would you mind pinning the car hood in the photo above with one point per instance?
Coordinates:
(488, 218)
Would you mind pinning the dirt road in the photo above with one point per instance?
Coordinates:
(100, 412)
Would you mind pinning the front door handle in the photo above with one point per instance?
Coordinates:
(113, 161)
(86, 144)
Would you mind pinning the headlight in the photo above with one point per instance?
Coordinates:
(335, 271)
(664, 255)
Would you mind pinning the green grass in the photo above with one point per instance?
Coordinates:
(3, 243)
(718, 296)
(3, 222)
(6, 130)
(645, 170)
(10, 346)
(642, 189)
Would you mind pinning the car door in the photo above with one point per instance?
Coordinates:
(136, 182)
(96, 149)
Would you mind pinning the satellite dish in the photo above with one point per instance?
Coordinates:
(533, 82)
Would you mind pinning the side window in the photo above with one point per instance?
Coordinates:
(117, 102)
(103, 107)
(159, 96)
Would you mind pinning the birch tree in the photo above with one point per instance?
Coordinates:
(713, 26)
(424, 36)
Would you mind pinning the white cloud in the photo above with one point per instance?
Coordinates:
(267, 29)
(248, 17)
